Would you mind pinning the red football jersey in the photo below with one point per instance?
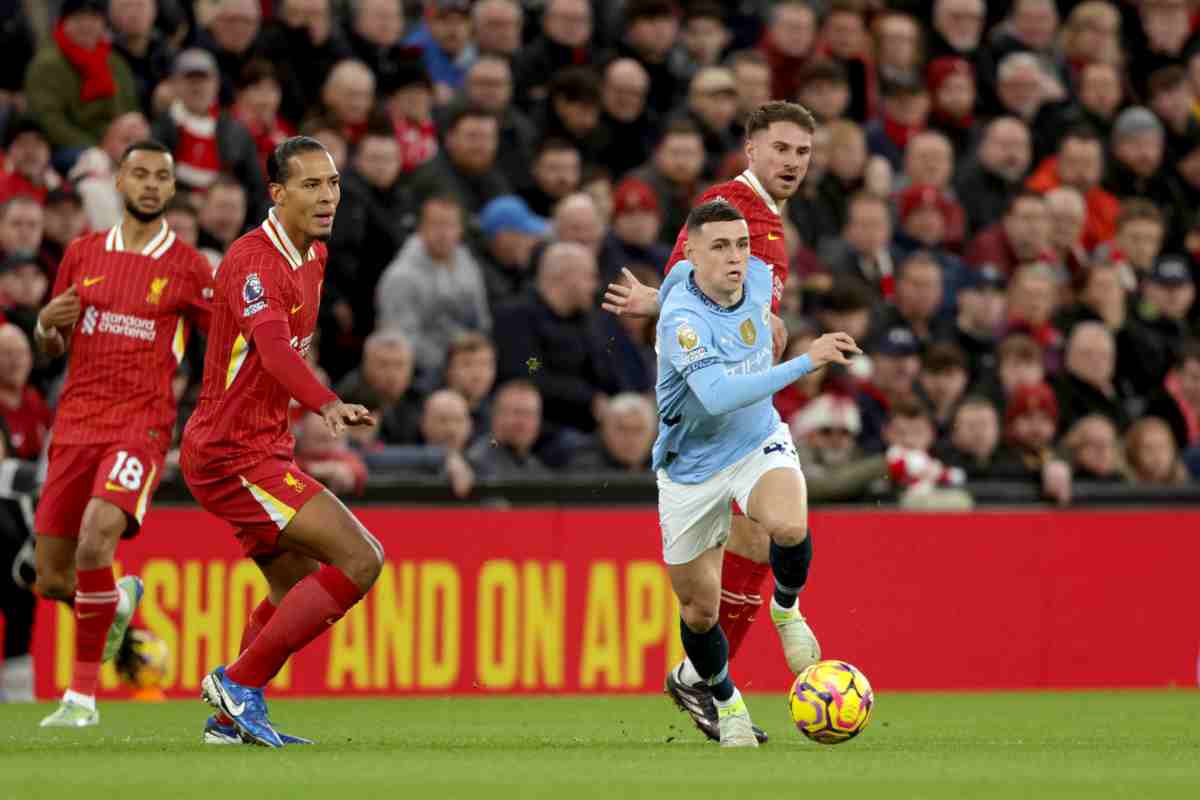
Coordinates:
(137, 310)
(241, 418)
(748, 196)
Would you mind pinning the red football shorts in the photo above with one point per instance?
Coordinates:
(259, 503)
(124, 475)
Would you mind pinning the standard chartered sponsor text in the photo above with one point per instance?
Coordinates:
(127, 325)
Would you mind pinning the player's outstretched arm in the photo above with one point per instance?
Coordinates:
(630, 299)
(58, 315)
(721, 393)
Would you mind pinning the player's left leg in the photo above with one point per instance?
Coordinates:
(282, 571)
(778, 502)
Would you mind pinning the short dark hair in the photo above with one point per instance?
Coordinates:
(823, 70)
(1081, 132)
(278, 168)
(1165, 78)
(145, 145)
(182, 203)
(554, 144)
(779, 111)
(909, 408)
(575, 85)
(636, 10)
(719, 210)
(1134, 209)
(440, 198)
(468, 342)
(942, 357)
(256, 71)
(704, 9)
(462, 113)
(848, 294)
(917, 257)
(679, 126)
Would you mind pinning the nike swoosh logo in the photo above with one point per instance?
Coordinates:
(773, 236)
(297, 308)
(114, 487)
(227, 701)
(88, 615)
(93, 281)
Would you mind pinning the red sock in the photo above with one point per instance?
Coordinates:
(96, 600)
(752, 592)
(734, 571)
(258, 620)
(307, 610)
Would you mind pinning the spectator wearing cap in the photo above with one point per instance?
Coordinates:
(433, 290)
(76, 84)
(444, 39)
(629, 124)
(1030, 421)
(1021, 237)
(565, 40)
(926, 216)
(256, 98)
(1079, 163)
(992, 174)
(787, 42)
(207, 142)
(23, 286)
(623, 441)
(981, 311)
(1138, 147)
(1088, 383)
(554, 337)
(951, 83)
(825, 90)
(712, 105)
(376, 215)
(649, 29)
(636, 222)
(64, 221)
(895, 363)
(465, 166)
(231, 34)
(835, 466)
(1167, 297)
(142, 45)
(904, 112)
(95, 172)
(512, 233)
(375, 36)
(489, 86)
(843, 39)
(307, 27)
(555, 174)
(26, 168)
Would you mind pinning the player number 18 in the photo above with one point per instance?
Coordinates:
(127, 471)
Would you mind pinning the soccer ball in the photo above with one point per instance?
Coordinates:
(142, 660)
(831, 702)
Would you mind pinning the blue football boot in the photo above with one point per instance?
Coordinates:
(243, 704)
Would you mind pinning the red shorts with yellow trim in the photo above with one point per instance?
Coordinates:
(259, 503)
(122, 474)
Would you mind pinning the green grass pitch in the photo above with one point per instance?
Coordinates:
(1138, 745)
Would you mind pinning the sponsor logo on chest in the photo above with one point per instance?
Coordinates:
(94, 321)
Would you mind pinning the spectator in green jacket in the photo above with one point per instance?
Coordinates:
(76, 84)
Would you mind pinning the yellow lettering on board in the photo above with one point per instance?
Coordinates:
(496, 625)
(543, 638)
(645, 616)
(161, 599)
(440, 590)
(601, 651)
(348, 651)
(395, 608)
(201, 620)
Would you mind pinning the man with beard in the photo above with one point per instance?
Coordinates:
(992, 176)
(124, 299)
(778, 147)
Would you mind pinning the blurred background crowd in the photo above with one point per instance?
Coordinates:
(1001, 206)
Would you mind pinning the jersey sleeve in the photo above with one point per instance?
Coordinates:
(253, 287)
(688, 341)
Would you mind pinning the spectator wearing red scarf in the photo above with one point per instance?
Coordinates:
(76, 85)
(905, 109)
(788, 44)
(951, 83)
(256, 100)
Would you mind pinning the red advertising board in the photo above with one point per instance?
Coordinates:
(578, 601)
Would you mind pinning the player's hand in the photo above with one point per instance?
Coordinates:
(338, 416)
(779, 337)
(630, 299)
(832, 348)
(62, 311)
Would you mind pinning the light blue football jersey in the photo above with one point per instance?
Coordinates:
(694, 334)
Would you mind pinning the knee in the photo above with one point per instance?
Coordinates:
(787, 534)
(699, 617)
(365, 563)
(55, 586)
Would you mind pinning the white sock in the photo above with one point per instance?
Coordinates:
(124, 602)
(86, 700)
(688, 674)
(17, 685)
(733, 699)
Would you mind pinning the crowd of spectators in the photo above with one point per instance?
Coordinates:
(1000, 206)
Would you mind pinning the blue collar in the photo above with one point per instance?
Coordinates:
(713, 304)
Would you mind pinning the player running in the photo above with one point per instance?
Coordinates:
(124, 301)
(778, 148)
(237, 454)
(720, 439)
